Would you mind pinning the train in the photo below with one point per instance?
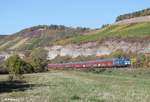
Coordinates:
(100, 63)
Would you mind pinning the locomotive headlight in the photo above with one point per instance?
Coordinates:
(127, 62)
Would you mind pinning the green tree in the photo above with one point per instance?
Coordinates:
(145, 12)
(141, 60)
(14, 64)
(118, 53)
(38, 59)
(105, 25)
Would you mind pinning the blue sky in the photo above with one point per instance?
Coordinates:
(18, 14)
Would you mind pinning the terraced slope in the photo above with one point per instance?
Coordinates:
(125, 31)
(38, 36)
(44, 36)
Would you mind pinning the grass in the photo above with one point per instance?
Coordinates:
(112, 85)
(137, 30)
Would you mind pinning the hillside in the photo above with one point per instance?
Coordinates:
(2, 36)
(133, 20)
(80, 41)
(129, 38)
(42, 35)
(134, 31)
(29, 38)
(62, 40)
(141, 13)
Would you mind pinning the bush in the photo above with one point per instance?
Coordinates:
(27, 68)
(38, 60)
(139, 60)
(147, 62)
(38, 65)
(14, 64)
(118, 54)
(75, 97)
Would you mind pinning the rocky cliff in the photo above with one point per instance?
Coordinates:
(98, 49)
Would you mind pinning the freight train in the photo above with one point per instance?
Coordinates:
(101, 63)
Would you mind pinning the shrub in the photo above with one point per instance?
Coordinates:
(14, 65)
(38, 60)
(118, 53)
(27, 68)
(140, 60)
(75, 97)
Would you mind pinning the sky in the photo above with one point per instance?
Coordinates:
(16, 15)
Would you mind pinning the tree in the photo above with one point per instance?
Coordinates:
(118, 53)
(105, 25)
(14, 65)
(145, 12)
(38, 59)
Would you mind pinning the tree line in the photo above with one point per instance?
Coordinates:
(144, 12)
(52, 27)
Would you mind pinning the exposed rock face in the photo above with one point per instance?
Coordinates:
(95, 49)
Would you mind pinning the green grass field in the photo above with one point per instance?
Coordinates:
(113, 85)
